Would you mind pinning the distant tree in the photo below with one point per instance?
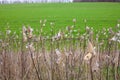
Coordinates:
(96, 0)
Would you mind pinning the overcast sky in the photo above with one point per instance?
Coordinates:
(37, 0)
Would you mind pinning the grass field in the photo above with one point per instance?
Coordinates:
(62, 55)
(98, 15)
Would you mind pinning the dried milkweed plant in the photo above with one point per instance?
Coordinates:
(66, 54)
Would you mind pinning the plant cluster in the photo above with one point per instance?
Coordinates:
(62, 55)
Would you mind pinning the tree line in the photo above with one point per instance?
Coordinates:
(96, 0)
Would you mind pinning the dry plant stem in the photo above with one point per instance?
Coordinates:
(84, 51)
(58, 44)
(31, 54)
(100, 51)
(91, 73)
(72, 64)
(109, 51)
(80, 62)
(66, 68)
(26, 73)
(8, 62)
(4, 64)
(71, 76)
(39, 78)
(51, 57)
(113, 68)
(118, 67)
(15, 65)
(37, 59)
(45, 60)
(59, 74)
(113, 64)
(107, 74)
(21, 56)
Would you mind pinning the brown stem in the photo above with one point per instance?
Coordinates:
(39, 78)
(91, 69)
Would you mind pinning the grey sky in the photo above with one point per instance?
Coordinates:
(39, 0)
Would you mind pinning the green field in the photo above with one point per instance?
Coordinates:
(98, 15)
(78, 53)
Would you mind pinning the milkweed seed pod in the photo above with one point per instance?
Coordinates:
(40, 21)
(24, 29)
(116, 58)
(59, 58)
(118, 25)
(95, 67)
(88, 56)
(116, 37)
(85, 20)
(59, 35)
(74, 20)
(111, 31)
(30, 30)
(24, 32)
(58, 52)
(44, 25)
(24, 38)
(8, 31)
(95, 58)
(51, 24)
(87, 28)
(90, 48)
(45, 20)
(31, 47)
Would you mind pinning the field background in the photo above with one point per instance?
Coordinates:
(60, 55)
(98, 15)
